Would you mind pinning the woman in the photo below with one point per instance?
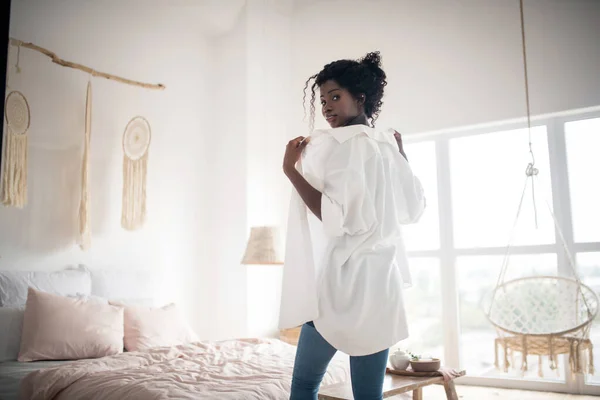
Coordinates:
(358, 185)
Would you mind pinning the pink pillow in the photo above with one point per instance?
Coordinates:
(62, 328)
(147, 327)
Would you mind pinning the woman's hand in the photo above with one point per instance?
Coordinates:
(398, 138)
(293, 152)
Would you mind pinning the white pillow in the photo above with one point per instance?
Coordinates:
(89, 298)
(134, 302)
(11, 326)
(131, 287)
(14, 284)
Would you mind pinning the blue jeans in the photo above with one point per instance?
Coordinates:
(312, 358)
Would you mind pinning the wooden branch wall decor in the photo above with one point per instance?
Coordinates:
(93, 72)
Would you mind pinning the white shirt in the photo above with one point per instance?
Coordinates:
(346, 273)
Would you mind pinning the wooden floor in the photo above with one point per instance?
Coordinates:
(487, 393)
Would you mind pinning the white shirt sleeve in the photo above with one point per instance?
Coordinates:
(347, 201)
(408, 193)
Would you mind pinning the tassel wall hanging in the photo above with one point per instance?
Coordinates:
(136, 141)
(14, 157)
(85, 231)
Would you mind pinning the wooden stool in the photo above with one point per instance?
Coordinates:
(392, 386)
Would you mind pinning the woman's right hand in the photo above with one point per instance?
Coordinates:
(293, 152)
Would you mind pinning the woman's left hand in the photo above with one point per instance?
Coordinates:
(293, 152)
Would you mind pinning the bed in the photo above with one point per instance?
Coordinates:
(12, 372)
(237, 369)
(233, 369)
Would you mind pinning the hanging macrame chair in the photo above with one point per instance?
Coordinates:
(543, 316)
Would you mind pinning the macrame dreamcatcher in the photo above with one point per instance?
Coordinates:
(542, 316)
(85, 231)
(14, 157)
(136, 141)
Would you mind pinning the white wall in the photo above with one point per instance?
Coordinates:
(251, 82)
(151, 44)
(458, 62)
(226, 193)
(268, 35)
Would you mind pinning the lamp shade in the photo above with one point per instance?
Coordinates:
(264, 247)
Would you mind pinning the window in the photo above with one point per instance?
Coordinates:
(425, 234)
(583, 143)
(487, 178)
(482, 176)
(423, 305)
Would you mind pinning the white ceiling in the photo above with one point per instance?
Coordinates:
(215, 16)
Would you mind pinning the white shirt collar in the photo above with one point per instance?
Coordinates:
(345, 133)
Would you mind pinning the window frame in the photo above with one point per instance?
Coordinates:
(448, 253)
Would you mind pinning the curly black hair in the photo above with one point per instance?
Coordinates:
(363, 76)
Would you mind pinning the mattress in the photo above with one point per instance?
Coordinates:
(12, 372)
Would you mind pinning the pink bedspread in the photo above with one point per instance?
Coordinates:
(234, 369)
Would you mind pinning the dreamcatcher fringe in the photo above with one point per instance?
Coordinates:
(85, 234)
(134, 192)
(14, 170)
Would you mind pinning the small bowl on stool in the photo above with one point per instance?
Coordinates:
(425, 365)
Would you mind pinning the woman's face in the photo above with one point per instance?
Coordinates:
(338, 105)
